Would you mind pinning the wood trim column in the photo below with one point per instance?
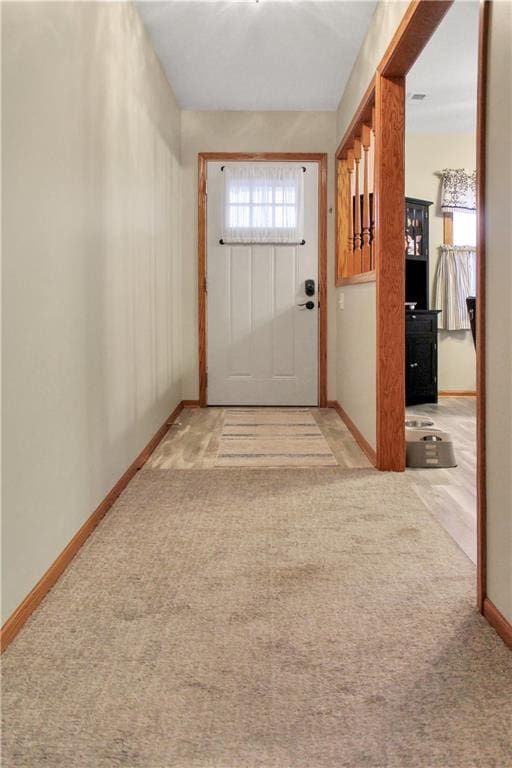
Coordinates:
(350, 235)
(357, 209)
(366, 251)
(481, 520)
(322, 280)
(201, 280)
(390, 268)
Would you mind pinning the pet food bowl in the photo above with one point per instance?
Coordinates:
(429, 448)
(419, 423)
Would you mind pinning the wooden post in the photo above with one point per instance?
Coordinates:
(366, 254)
(342, 219)
(372, 211)
(390, 269)
(350, 234)
(357, 212)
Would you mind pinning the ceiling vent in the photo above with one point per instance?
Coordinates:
(416, 96)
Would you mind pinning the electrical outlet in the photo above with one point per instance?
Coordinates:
(341, 301)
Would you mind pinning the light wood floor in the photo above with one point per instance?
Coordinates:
(450, 494)
(193, 440)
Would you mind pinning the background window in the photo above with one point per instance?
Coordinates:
(464, 228)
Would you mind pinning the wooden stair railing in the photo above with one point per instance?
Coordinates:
(355, 228)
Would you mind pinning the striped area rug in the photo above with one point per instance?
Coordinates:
(272, 437)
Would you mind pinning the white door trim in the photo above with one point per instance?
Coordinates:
(262, 345)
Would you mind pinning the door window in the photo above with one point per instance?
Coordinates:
(263, 204)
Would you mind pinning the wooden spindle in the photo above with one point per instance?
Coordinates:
(357, 212)
(366, 251)
(350, 231)
(372, 209)
(343, 198)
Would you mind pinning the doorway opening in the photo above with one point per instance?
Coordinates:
(440, 273)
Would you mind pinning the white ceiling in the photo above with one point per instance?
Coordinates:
(266, 55)
(447, 72)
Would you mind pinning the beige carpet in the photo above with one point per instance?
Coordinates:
(284, 619)
(272, 437)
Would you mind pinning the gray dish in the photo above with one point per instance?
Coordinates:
(419, 423)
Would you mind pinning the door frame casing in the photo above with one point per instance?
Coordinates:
(481, 118)
(419, 23)
(260, 157)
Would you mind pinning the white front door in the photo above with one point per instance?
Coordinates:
(262, 345)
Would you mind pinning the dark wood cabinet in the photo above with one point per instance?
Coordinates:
(416, 228)
(417, 251)
(420, 322)
(421, 356)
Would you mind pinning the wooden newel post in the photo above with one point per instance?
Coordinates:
(357, 204)
(372, 212)
(343, 215)
(366, 252)
(350, 238)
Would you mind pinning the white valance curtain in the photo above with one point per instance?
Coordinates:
(455, 281)
(458, 190)
(263, 204)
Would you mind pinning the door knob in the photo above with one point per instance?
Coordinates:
(413, 365)
(307, 304)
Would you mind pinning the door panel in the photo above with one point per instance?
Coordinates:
(239, 307)
(262, 347)
(420, 368)
(285, 280)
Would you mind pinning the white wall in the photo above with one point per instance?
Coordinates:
(499, 312)
(91, 270)
(356, 336)
(356, 360)
(385, 20)
(247, 132)
(425, 154)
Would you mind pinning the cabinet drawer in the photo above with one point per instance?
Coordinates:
(420, 323)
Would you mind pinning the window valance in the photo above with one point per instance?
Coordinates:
(458, 190)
